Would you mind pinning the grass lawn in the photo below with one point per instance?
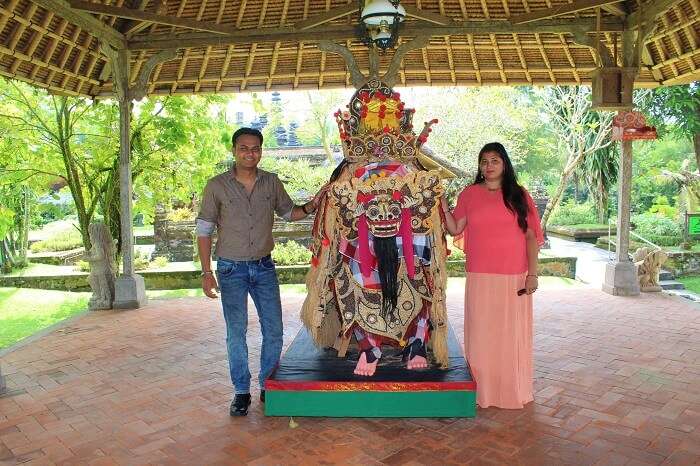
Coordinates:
(691, 282)
(24, 311)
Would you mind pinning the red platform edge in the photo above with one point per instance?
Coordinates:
(271, 384)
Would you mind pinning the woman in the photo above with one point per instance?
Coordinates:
(502, 236)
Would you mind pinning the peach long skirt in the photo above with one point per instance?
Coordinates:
(498, 339)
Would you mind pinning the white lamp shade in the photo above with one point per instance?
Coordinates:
(376, 11)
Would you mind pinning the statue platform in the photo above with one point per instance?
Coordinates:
(310, 381)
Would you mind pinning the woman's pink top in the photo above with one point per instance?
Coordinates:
(494, 243)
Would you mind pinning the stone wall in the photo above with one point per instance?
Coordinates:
(683, 262)
(589, 235)
(287, 274)
(172, 240)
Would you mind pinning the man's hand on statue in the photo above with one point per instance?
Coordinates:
(321, 192)
(209, 285)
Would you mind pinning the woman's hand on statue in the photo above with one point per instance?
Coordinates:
(209, 285)
(531, 284)
(443, 204)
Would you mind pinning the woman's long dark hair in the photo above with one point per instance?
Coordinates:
(513, 193)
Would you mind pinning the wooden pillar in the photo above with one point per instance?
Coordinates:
(130, 289)
(621, 274)
(3, 387)
(624, 195)
(126, 187)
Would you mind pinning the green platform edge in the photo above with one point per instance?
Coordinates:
(309, 403)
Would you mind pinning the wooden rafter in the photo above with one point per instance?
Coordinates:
(85, 21)
(140, 15)
(648, 12)
(617, 9)
(261, 35)
(326, 17)
(568, 8)
(428, 16)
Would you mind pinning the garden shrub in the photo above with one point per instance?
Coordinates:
(657, 228)
(82, 266)
(159, 262)
(662, 207)
(63, 241)
(291, 253)
(571, 213)
(181, 215)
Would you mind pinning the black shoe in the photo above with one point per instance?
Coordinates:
(239, 405)
(262, 396)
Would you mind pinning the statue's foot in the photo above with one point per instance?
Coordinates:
(418, 362)
(366, 368)
(415, 355)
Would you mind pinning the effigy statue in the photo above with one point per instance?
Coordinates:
(649, 262)
(378, 271)
(102, 267)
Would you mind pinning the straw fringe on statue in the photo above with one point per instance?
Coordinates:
(378, 269)
(102, 267)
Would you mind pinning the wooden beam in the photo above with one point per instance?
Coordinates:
(135, 26)
(129, 13)
(428, 16)
(343, 32)
(326, 17)
(84, 21)
(648, 12)
(567, 8)
(356, 76)
(617, 9)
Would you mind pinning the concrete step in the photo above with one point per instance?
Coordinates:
(671, 285)
(666, 275)
(689, 295)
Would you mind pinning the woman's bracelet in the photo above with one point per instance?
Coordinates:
(530, 275)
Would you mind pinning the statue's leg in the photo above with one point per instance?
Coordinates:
(415, 350)
(369, 352)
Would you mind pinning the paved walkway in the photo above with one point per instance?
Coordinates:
(590, 264)
(617, 382)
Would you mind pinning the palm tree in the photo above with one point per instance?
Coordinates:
(600, 172)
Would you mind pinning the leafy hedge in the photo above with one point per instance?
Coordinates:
(571, 213)
(64, 241)
(658, 229)
(291, 253)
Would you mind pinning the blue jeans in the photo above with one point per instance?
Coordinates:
(236, 280)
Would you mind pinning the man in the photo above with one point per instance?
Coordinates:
(240, 204)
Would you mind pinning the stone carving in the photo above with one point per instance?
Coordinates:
(649, 262)
(102, 267)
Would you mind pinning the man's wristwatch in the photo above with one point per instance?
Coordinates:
(207, 272)
(303, 207)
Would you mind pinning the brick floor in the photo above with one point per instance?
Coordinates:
(617, 382)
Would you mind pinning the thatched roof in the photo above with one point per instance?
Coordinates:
(243, 45)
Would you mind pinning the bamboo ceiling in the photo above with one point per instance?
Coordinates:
(246, 45)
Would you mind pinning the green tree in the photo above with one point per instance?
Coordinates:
(320, 128)
(176, 145)
(578, 133)
(675, 110)
(600, 172)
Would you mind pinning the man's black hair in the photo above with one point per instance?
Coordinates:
(243, 131)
